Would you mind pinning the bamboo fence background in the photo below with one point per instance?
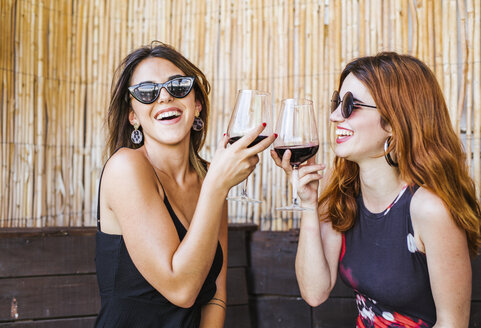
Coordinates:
(58, 57)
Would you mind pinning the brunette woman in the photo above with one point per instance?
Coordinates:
(162, 221)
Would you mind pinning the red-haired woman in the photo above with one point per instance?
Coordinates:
(397, 215)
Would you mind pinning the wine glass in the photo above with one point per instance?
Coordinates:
(252, 108)
(297, 131)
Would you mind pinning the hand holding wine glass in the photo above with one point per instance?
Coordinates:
(297, 132)
(233, 164)
(310, 173)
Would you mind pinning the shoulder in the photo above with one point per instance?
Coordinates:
(128, 162)
(126, 158)
(433, 223)
(427, 206)
(129, 169)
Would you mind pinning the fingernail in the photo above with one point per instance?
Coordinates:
(275, 135)
(224, 134)
(264, 124)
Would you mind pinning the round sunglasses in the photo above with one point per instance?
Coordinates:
(148, 92)
(348, 103)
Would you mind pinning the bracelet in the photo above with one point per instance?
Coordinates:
(218, 299)
(217, 305)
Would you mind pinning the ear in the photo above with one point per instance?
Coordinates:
(198, 106)
(386, 127)
(132, 117)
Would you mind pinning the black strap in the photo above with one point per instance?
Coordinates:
(176, 220)
(98, 193)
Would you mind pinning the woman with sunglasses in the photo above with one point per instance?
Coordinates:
(397, 216)
(162, 215)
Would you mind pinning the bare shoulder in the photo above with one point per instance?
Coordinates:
(126, 159)
(434, 225)
(129, 169)
(428, 208)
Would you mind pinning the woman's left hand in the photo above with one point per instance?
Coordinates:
(309, 175)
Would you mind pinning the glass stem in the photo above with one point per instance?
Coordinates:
(244, 189)
(295, 181)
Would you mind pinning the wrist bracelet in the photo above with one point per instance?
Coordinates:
(218, 299)
(217, 305)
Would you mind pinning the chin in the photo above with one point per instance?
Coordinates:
(339, 153)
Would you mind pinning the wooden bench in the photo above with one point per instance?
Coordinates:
(47, 278)
(275, 298)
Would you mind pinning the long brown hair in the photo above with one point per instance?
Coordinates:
(428, 151)
(119, 127)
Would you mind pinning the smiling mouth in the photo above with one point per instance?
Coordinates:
(343, 133)
(166, 116)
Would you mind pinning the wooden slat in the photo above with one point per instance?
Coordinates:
(236, 286)
(237, 249)
(274, 312)
(41, 255)
(272, 256)
(85, 322)
(238, 316)
(47, 297)
(475, 318)
(476, 267)
(335, 313)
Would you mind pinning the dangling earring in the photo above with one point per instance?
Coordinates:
(198, 123)
(387, 155)
(136, 135)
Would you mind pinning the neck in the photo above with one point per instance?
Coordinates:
(170, 160)
(380, 184)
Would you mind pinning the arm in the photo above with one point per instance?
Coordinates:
(319, 244)
(449, 266)
(176, 269)
(213, 313)
(317, 258)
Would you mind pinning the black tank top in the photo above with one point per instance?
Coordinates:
(128, 300)
(390, 278)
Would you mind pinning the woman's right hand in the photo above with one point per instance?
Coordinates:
(309, 175)
(233, 164)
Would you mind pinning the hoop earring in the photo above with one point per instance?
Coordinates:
(198, 123)
(136, 135)
(387, 155)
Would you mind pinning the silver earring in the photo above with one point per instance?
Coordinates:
(198, 123)
(387, 155)
(136, 135)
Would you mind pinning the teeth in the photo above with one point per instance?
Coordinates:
(341, 132)
(167, 114)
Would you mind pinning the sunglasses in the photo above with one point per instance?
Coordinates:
(348, 103)
(148, 92)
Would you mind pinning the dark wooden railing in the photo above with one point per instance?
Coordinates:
(275, 298)
(47, 280)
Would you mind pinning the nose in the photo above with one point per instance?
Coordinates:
(164, 96)
(336, 116)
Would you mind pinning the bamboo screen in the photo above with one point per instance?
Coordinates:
(58, 57)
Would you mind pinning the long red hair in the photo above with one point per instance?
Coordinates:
(428, 151)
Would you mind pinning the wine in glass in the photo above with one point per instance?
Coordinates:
(252, 108)
(297, 131)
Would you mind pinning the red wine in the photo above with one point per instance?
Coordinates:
(299, 154)
(253, 143)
